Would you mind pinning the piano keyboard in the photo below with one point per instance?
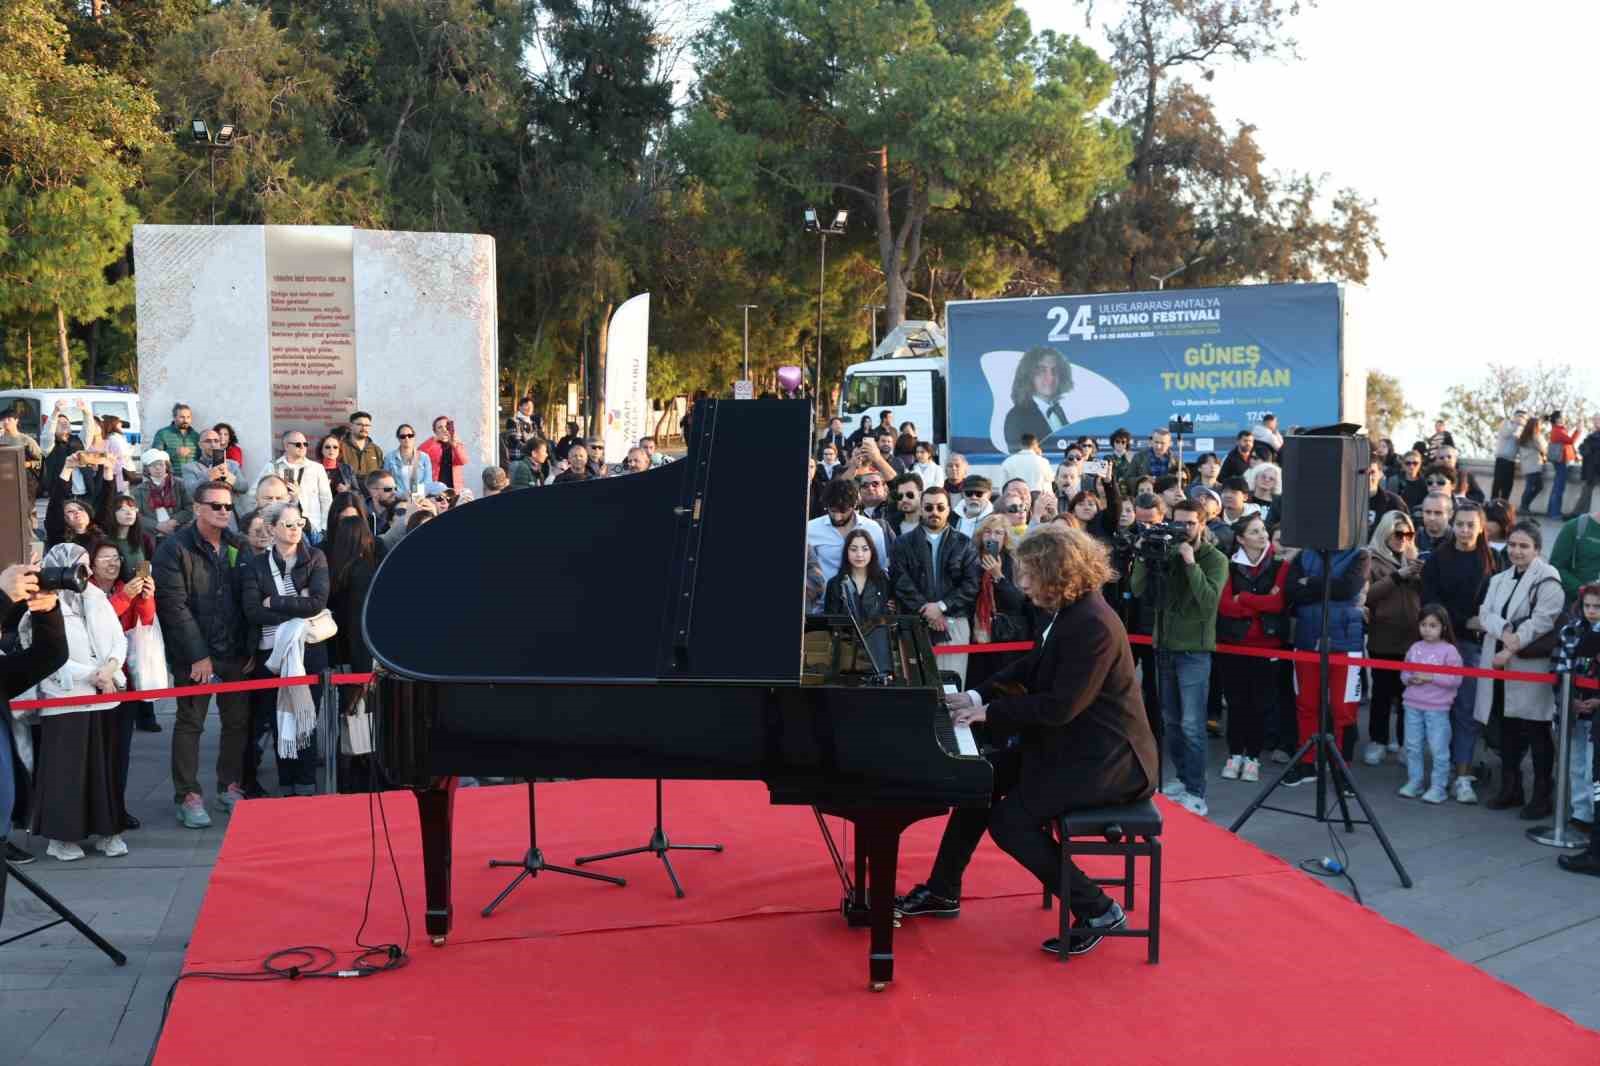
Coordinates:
(954, 737)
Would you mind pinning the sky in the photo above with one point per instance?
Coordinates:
(1465, 122)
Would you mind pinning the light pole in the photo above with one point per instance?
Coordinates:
(836, 229)
(1162, 279)
(747, 308)
(221, 142)
(872, 311)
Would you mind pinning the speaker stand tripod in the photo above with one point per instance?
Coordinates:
(658, 846)
(1328, 758)
(532, 863)
(64, 914)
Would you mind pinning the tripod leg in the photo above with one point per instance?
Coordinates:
(547, 868)
(584, 860)
(672, 874)
(1261, 797)
(526, 873)
(1377, 827)
(67, 916)
(1341, 780)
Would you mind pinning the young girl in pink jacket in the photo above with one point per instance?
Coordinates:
(1427, 702)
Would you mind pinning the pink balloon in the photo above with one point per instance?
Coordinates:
(790, 378)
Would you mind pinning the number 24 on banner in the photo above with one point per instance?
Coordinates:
(1082, 323)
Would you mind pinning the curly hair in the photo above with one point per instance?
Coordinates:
(1066, 563)
(1022, 383)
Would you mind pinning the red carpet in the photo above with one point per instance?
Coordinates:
(755, 966)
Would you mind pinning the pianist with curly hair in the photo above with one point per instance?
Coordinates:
(1070, 730)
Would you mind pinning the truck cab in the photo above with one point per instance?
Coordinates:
(906, 376)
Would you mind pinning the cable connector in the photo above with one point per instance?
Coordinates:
(1332, 865)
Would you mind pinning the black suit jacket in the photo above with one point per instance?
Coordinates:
(1025, 418)
(1085, 739)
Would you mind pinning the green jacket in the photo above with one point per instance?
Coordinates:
(1189, 622)
(1576, 557)
(181, 447)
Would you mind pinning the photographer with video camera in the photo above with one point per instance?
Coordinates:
(22, 667)
(1188, 573)
(1584, 659)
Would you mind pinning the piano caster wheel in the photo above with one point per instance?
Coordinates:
(879, 986)
(437, 941)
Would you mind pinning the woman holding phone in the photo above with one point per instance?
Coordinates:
(446, 453)
(134, 602)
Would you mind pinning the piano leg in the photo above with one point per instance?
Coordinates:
(881, 842)
(435, 806)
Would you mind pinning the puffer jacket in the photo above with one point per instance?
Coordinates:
(197, 600)
(1393, 604)
(1303, 589)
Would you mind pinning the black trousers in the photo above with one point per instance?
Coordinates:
(1252, 689)
(1517, 735)
(1386, 697)
(1144, 657)
(1020, 834)
(1505, 472)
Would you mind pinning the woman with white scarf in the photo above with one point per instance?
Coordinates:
(75, 765)
(282, 585)
(1523, 603)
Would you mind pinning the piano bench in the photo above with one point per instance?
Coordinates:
(1131, 831)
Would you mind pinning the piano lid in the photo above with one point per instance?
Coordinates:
(692, 571)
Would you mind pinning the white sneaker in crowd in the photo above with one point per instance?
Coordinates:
(1173, 789)
(1372, 754)
(1251, 771)
(1465, 793)
(1193, 804)
(1393, 747)
(1410, 790)
(1231, 768)
(1434, 795)
(64, 850)
(112, 847)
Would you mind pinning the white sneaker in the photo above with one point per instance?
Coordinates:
(1173, 789)
(112, 847)
(1372, 755)
(64, 850)
(1193, 804)
(1280, 757)
(1434, 795)
(1231, 768)
(1251, 771)
(1410, 790)
(1464, 791)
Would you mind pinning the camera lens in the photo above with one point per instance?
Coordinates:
(64, 578)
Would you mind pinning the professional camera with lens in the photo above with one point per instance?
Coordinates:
(63, 578)
(1152, 542)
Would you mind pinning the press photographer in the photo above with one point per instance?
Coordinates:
(21, 669)
(1187, 573)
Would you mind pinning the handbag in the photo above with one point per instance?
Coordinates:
(147, 658)
(356, 736)
(1545, 643)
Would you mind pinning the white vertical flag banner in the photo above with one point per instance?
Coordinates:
(627, 406)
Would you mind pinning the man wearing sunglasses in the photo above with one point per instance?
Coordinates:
(935, 570)
(1380, 501)
(975, 504)
(202, 623)
(905, 491)
(1408, 484)
(307, 480)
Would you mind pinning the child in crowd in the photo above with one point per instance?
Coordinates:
(1585, 704)
(1427, 702)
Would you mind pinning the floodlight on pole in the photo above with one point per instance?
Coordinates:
(202, 132)
(813, 224)
(225, 134)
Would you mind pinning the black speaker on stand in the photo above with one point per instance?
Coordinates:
(1325, 510)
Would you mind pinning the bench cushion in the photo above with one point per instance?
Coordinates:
(1136, 819)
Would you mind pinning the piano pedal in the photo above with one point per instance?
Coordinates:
(879, 986)
(436, 941)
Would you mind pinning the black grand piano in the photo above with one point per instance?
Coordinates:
(654, 625)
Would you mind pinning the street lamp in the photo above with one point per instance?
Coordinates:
(835, 229)
(212, 145)
(747, 308)
(1160, 279)
(872, 313)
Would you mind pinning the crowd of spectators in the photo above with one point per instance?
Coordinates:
(1449, 575)
(200, 574)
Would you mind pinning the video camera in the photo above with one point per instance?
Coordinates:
(1153, 543)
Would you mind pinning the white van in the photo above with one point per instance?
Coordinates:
(32, 405)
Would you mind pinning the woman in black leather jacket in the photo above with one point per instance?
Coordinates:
(861, 589)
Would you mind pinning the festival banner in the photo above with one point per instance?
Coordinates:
(1061, 367)
(311, 342)
(625, 403)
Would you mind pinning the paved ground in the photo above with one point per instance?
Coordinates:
(1482, 892)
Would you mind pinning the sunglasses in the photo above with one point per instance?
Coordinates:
(975, 494)
(1413, 462)
(1438, 481)
(1404, 534)
(290, 525)
(934, 508)
(405, 436)
(294, 444)
(908, 496)
(217, 506)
